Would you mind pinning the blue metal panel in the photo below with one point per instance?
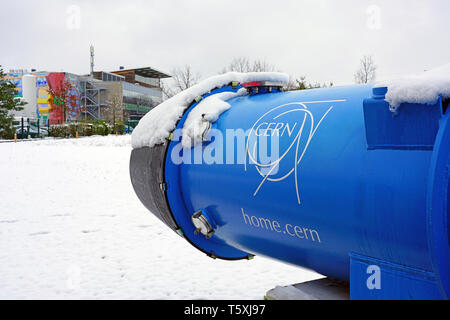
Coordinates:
(395, 282)
(438, 207)
(413, 127)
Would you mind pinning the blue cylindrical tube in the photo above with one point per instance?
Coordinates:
(326, 179)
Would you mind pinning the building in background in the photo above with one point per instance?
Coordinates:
(38, 88)
(29, 85)
(34, 92)
(139, 89)
(58, 97)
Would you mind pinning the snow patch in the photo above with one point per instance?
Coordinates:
(209, 110)
(157, 125)
(64, 189)
(424, 88)
(93, 141)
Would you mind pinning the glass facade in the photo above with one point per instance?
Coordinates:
(110, 77)
(150, 81)
(136, 91)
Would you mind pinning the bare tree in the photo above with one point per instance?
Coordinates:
(262, 66)
(243, 64)
(114, 112)
(182, 79)
(367, 70)
(239, 64)
(292, 84)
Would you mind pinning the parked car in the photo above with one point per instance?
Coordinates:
(31, 130)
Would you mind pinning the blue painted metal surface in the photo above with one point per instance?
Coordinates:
(351, 180)
(438, 207)
(396, 282)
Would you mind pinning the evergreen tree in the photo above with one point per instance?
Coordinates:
(8, 103)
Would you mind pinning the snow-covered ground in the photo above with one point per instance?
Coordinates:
(71, 227)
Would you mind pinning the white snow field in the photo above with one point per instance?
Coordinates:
(71, 227)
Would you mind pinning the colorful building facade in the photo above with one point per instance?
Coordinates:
(62, 96)
(49, 107)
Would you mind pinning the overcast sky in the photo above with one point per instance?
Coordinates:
(320, 39)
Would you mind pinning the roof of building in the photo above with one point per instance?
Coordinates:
(146, 72)
(105, 72)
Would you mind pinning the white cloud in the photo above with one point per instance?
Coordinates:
(322, 39)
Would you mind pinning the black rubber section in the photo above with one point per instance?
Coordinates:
(147, 177)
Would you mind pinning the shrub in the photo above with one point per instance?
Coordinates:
(120, 127)
(59, 131)
(84, 129)
(100, 128)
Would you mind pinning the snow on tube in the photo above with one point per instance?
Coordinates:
(334, 180)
